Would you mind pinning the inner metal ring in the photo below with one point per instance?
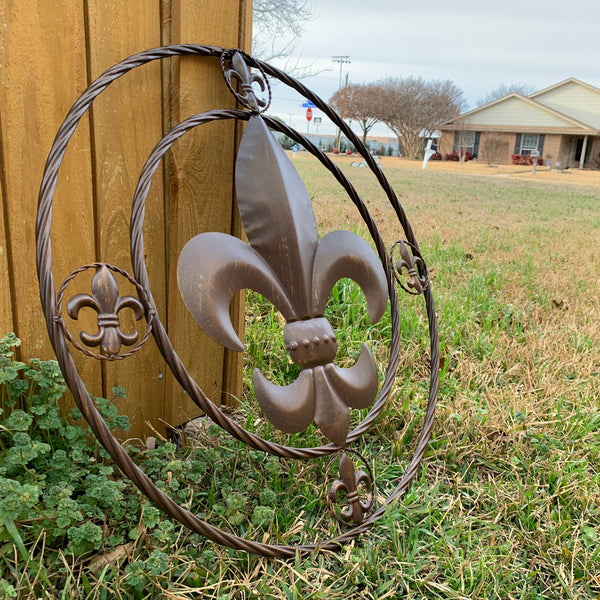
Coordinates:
(159, 331)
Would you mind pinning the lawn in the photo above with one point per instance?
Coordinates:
(506, 504)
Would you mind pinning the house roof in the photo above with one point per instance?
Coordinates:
(574, 98)
(570, 106)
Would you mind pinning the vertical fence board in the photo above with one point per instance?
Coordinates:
(42, 55)
(203, 174)
(127, 121)
(6, 317)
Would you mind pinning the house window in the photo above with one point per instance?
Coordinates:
(526, 143)
(529, 143)
(468, 141)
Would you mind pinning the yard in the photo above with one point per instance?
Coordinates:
(507, 501)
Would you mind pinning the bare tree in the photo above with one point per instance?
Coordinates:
(525, 89)
(277, 26)
(494, 148)
(358, 102)
(462, 138)
(413, 107)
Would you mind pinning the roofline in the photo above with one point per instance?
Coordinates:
(520, 129)
(563, 82)
(479, 108)
(527, 99)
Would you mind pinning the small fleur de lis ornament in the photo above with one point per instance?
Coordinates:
(413, 266)
(105, 300)
(287, 263)
(355, 507)
(246, 95)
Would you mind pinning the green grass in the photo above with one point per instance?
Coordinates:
(506, 504)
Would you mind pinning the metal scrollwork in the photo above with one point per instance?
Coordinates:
(239, 71)
(356, 486)
(107, 303)
(285, 261)
(414, 266)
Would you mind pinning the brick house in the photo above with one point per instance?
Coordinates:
(561, 122)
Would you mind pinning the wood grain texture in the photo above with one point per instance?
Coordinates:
(127, 123)
(74, 42)
(6, 316)
(38, 84)
(202, 176)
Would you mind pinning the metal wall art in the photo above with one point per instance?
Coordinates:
(287, 262)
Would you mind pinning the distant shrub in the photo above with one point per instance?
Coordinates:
(286, 142)
(525, 159)
(454, 156)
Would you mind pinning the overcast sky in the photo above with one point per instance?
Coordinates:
(478, 45)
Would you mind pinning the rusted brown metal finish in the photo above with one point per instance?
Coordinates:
(160, 334)
(358, 502)
(413, 265)
(238, 70)
(107, 303)
(296, 272)
(284, 260)
(105, 300)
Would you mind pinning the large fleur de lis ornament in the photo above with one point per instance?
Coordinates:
(287, 263)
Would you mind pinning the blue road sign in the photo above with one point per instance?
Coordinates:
(308, 104)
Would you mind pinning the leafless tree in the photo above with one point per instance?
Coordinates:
(358, 102)
(461, 137)
(413, 108)
(277, 26)
(494, 148)
(525, 89)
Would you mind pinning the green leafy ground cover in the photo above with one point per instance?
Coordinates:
(506, 504)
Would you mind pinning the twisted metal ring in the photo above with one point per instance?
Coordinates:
(159, 331)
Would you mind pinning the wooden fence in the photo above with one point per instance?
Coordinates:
(49, 52)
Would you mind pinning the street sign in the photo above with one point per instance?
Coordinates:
(308, 104)
(317, 120)
(308, 114)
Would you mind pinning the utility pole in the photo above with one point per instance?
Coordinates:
(345, 59)
(342, 60)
